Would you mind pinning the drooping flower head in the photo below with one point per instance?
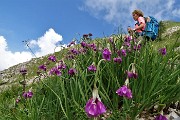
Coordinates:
(83, 44)
(55, 71)
(93, 46)
(72, 42)
(162, 51)
(72, 71)
(25, 94)
(94, 107)
(74, 51)
(124, 91)
(52, 58)
(90, 34)
(28, 94)
(160, 117)
(127, 38)
(61, 66)
(85, 36)
(111, 39)
(137, 47)
(107, 54)
(42, 67)
(123, 52)
(132, 74)
(92, 68)
(135, 75)
(118, 60)
(127, 44)
(23, 70)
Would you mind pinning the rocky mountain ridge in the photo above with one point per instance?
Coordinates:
(12, 74)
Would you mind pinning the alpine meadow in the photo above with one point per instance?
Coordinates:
(109, 78)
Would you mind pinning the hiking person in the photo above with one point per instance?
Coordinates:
(139, 26)
(145, 27)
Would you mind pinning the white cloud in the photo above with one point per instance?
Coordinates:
(46, 44)
(118, 12)
(32, 43)
(9, 58)
(3, 44)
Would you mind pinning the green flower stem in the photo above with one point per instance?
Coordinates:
(130, 65)
(24, 83)
(58, 98)
(97, 72)
(136, 51)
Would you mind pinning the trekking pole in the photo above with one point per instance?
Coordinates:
(27, 44)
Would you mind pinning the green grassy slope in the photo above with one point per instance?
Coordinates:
(166, 38)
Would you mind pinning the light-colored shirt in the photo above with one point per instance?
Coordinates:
(141, 20)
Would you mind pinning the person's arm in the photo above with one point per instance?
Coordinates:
(139, 27)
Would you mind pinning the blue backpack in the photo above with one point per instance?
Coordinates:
(151, 29)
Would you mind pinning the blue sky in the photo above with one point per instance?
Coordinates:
(30, 19)
(44, 23)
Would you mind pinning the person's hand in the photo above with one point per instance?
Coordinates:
(129, 29)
